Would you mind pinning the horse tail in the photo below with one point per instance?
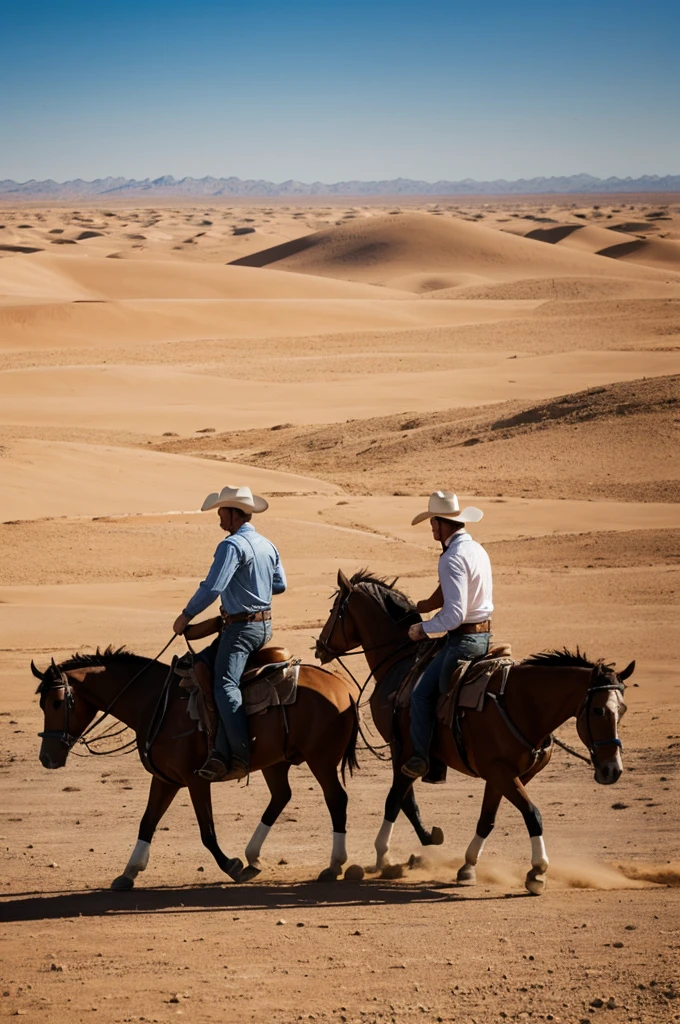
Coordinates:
(349, 757)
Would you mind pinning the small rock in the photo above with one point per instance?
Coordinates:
(56, 967)
(282, 920)
(617, 945)
(200, 869)
(611, 1003)
(631, 927)
(53, 864)
(174, 999)
(597, 1003)
(356, 933)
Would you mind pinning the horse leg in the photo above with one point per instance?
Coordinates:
(487, 819)
(410, 808)
(199, 791)
(401, 784)
(336, 801)
(513, 790)
(161, 795)
(276, 777)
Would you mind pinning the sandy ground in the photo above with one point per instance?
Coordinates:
(522, 352)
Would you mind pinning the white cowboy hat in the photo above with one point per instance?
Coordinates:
(444, 505)
(235, 497)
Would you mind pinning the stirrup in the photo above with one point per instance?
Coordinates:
(414, 768)
(214, 769)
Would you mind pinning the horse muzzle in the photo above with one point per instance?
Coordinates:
(53, 753)
(609, 772)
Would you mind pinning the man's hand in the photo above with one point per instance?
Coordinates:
(416, 632)
(180, 624)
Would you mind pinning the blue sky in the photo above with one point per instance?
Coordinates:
(331, 91)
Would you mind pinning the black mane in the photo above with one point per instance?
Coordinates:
(105, 657)
(565, 659)
(80, 660)
(395, 603)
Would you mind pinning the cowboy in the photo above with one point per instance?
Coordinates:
(464, 596)
(246, 571)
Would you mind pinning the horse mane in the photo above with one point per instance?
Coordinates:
(566, 659)
(395, 603)
(105, 657)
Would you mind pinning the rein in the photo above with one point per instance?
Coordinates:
(68, 739)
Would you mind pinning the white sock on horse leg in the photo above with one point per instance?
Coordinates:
(539, 858)
(474, 849)
(138, 860)
(254, 847)
(339, 854)
(382, 840)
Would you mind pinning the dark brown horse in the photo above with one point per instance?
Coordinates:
(506, 743)
(319, 728)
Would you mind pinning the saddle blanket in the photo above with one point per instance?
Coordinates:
(469, 685)
(270, 686)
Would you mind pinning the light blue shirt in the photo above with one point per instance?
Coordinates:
(246, 571)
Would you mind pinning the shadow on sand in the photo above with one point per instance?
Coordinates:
(213, 898)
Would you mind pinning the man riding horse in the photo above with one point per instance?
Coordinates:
(464, 596)
(245, 573)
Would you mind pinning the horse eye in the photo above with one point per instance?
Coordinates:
(56, 704)
(599, 711)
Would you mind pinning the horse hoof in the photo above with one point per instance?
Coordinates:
(354, 873)
(249, 873)
(234, 868)
(535, 884)
(123, 883)
(392, 871)
(328, 875)
(467, 875)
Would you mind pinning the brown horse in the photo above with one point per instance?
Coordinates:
(506, 743)
(319, 728)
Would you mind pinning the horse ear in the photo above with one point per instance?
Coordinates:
(627, 672)
(36, 672)
(343, 581)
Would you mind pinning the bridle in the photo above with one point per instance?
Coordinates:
(585, 708)
(338, 616)
(60, 681)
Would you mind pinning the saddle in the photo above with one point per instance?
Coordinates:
(470, 682)
(402, 698)
(270, 680)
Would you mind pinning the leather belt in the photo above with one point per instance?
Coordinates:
(262, 616)
(471, 627)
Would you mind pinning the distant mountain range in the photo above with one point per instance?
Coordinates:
(167, 186)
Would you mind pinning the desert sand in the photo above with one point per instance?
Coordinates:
(344, 361)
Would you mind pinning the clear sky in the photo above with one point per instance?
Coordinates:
(330, 91)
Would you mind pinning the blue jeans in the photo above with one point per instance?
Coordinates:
(227, 658)
(435, 680)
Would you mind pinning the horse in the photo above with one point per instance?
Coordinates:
(320, 728)
(506, 743)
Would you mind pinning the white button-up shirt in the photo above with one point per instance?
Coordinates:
(465, 578)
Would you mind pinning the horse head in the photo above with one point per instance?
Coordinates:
(598, 719)
(66, 713)
(367, 611)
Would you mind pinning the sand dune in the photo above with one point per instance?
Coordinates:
(650, 252)
(78, 278)
(587, 237)
(135, 321)
(587, 444)
(51, 478)
(155, 399)
(388, 249)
